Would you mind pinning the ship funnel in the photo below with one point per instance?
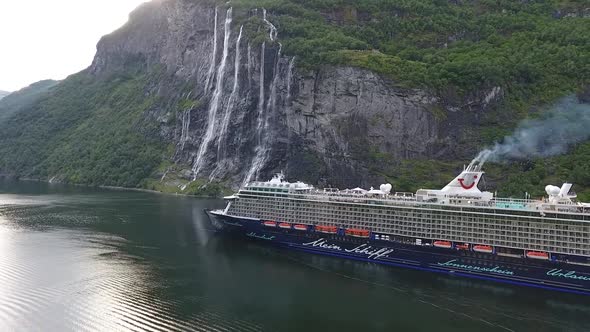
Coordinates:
(466, 181)
(475, 166)
(565, 189)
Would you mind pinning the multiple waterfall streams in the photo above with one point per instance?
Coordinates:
(215, 100)
(222, 106)
(221, 140)
(263, 130)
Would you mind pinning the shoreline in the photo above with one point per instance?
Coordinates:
(118, 188)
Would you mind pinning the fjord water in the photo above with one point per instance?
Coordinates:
(80, 259)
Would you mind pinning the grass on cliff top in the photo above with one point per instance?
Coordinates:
(536, 51)
(455, 48)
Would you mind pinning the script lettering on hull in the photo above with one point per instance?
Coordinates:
(363, 249)
(261, 236)
(495, 269)
(559, 273)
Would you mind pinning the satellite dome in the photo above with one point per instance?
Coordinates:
(552, 190)
(386, 188)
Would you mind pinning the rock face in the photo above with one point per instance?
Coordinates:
(344, 115)
(237, 110)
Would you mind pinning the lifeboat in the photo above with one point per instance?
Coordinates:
(357, 232)
(327, 229)
(463, 246)
(537, 255)
(483, 248)
(443, 244)
(300, 227)
(270, 223)
(285, 225)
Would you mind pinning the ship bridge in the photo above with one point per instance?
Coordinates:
(278, 185)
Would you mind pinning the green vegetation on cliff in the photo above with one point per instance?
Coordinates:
(88, 131)
(535, 51)
(454, 47)
(19, 100)
(94, 129)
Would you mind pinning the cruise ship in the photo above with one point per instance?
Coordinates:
(457, 229)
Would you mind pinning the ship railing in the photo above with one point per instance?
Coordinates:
(361, 198)
(514, 200)
(409, 199)
(405, 196)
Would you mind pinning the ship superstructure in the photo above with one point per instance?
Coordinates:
(473, 230)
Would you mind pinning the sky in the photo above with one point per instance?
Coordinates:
(51, 39)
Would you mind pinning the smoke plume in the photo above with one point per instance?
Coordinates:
(564, 124)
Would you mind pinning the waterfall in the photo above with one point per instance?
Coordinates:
(258, 150)
(289, 79)
(249, 64)
(213, 55)
(263, 146)
(231, 102)
(215, 100)
(186, 122)
(273, 30)
(273, 86)
(261, 93)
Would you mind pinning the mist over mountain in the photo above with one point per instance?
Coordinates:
(198, 96)
(25, 97)
(3, 94)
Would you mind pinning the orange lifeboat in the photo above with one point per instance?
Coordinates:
(300, 227)
(483, 248)
(537, 255)
(285, 225)
(357, 232)
(270, 223)
(442, 244)
(463, 246)
(327, 229)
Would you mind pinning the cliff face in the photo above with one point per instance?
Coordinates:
(193, 96)
(236, 110)
(343, 116)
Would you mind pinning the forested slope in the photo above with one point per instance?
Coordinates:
(453, 76)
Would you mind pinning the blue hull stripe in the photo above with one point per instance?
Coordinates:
(522, 272)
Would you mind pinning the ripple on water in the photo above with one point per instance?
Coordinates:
(109, 292)
(123, 262)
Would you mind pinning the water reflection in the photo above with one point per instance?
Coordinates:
(81, 259)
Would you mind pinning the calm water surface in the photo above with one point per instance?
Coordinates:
(76, 259)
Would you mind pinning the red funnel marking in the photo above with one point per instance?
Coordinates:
(466, 187)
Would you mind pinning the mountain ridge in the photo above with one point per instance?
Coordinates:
(18, 100)
(359, 115)
(3, 94)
